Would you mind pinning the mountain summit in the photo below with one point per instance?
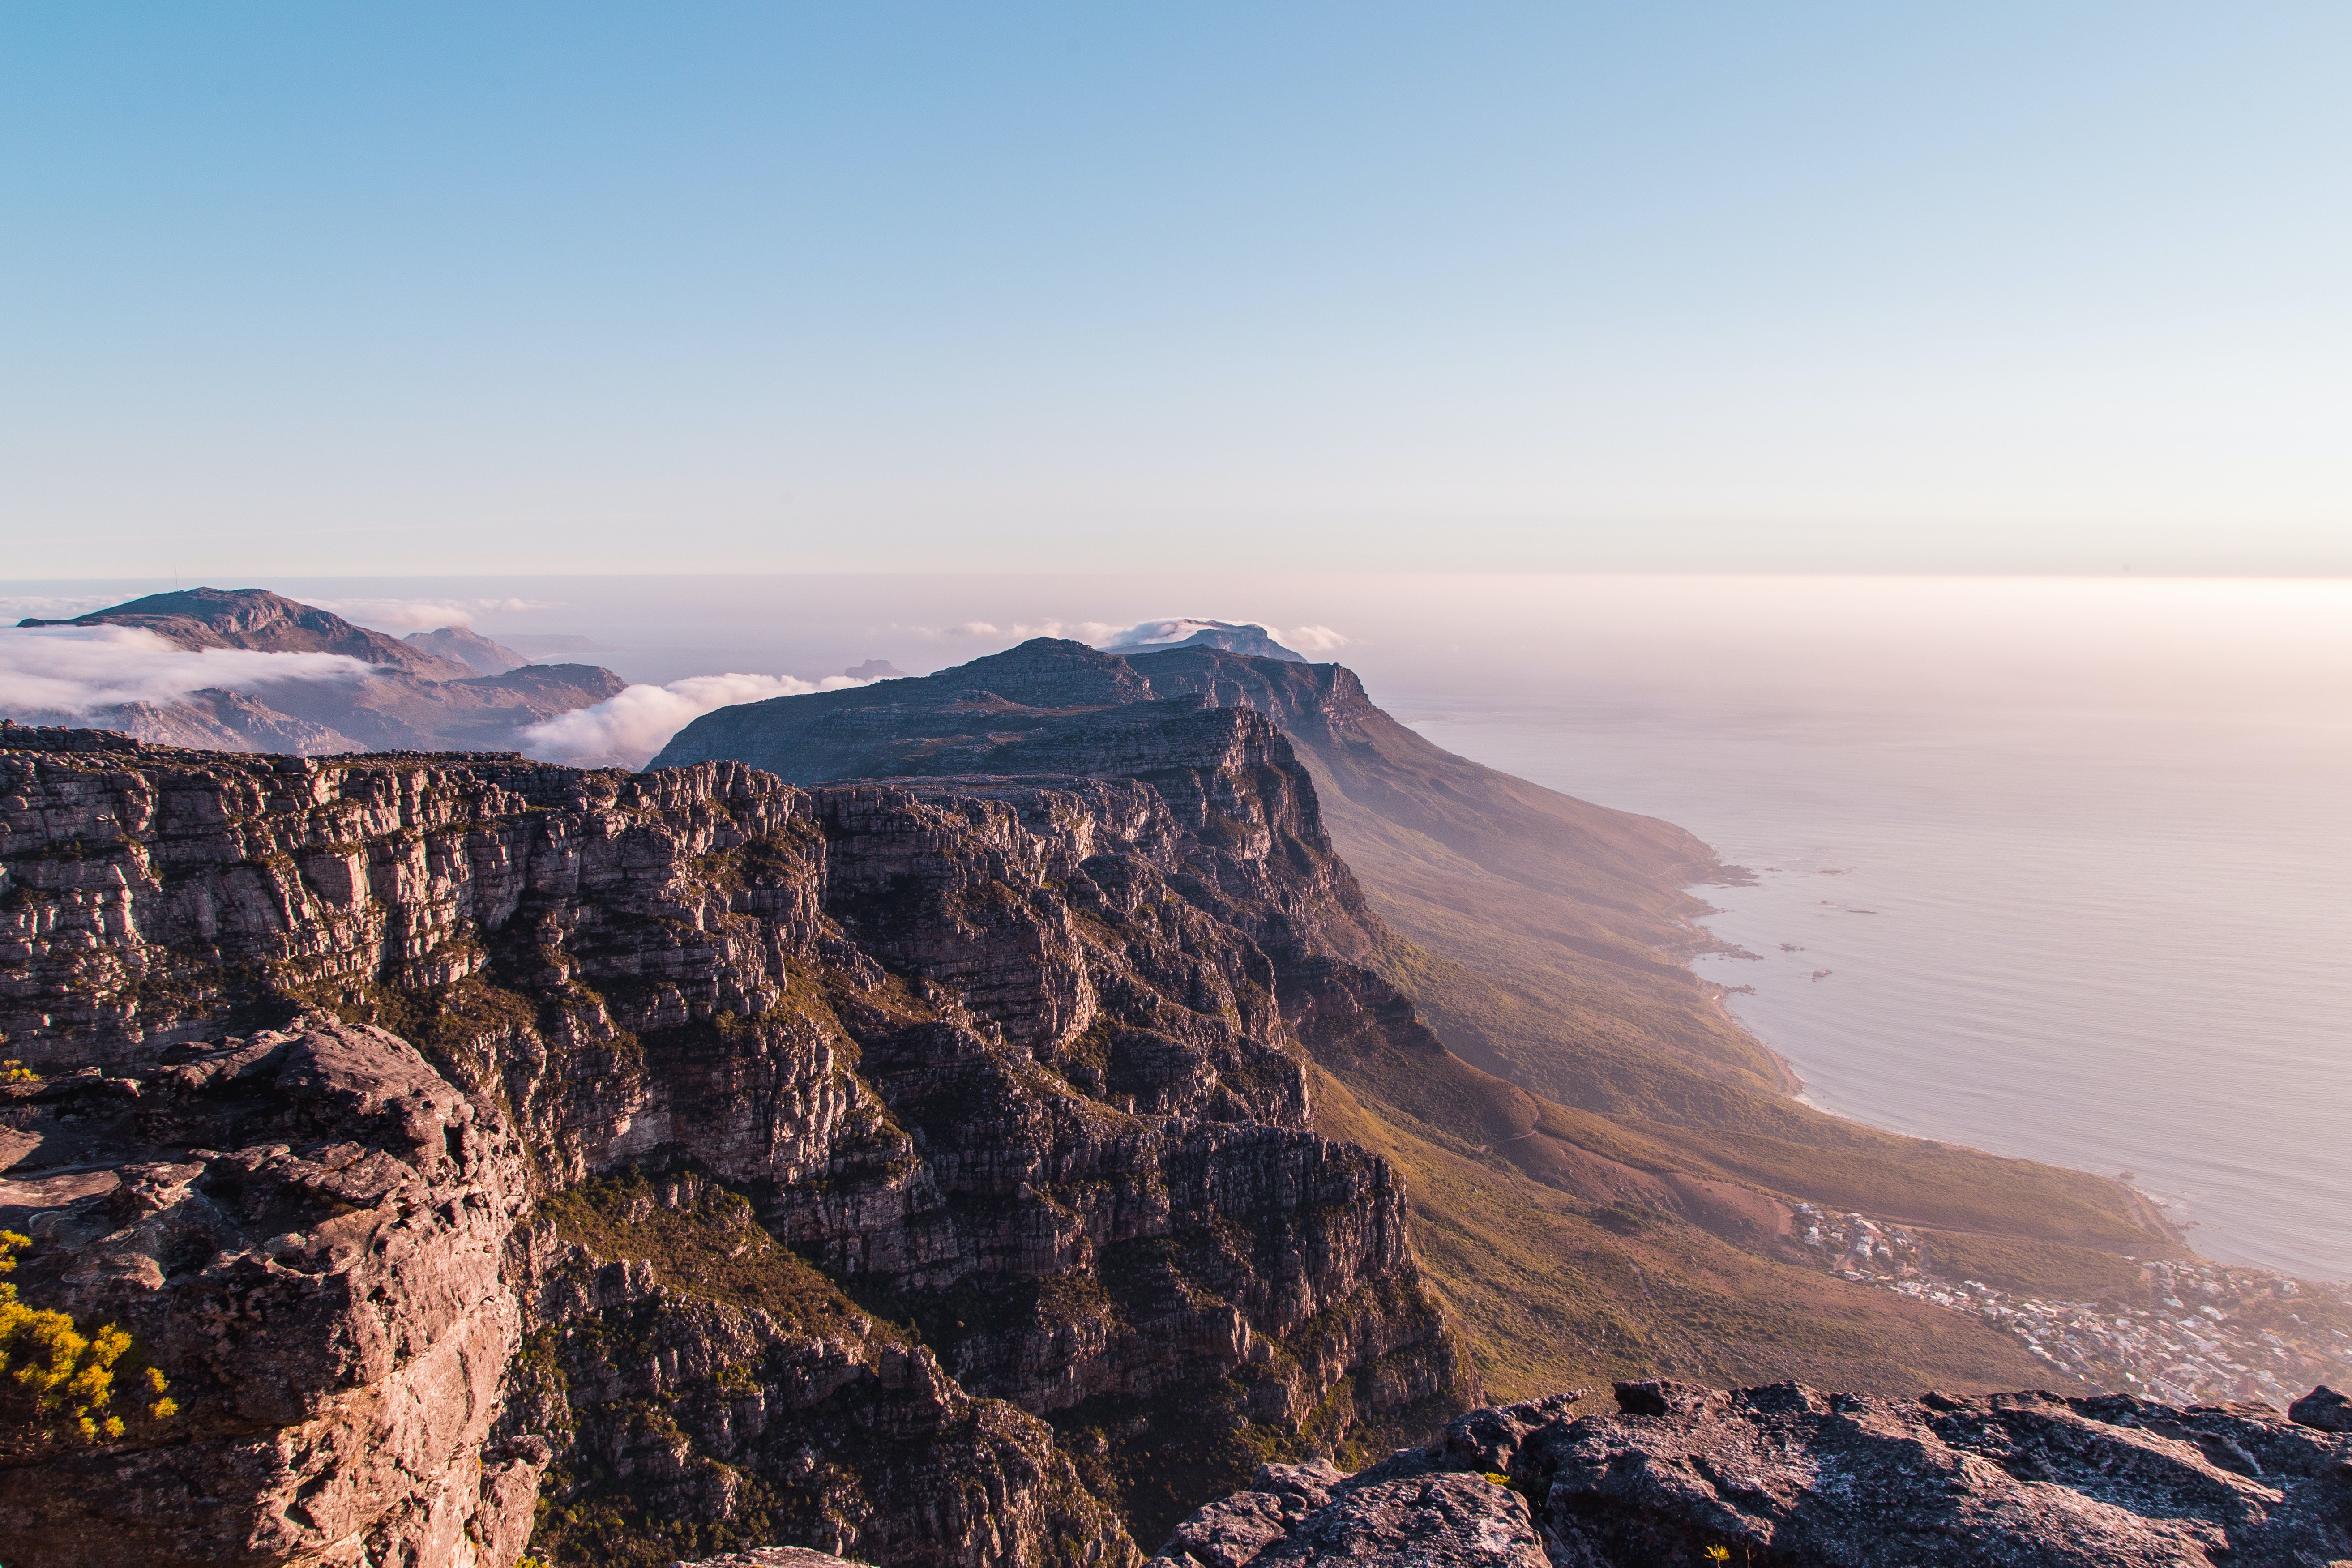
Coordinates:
(1229, 636)
(258, 619)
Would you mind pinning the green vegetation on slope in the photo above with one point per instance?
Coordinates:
(1556, 1291)
(1573, 1003)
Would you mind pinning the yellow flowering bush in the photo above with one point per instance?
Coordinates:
(59, 1382)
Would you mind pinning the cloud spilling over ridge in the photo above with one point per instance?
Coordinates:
(51, 672)
(1176, 628)
(421, 615)
(1311, 639)
(626, 731)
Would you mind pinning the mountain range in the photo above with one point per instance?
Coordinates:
(1595, 1100)
(440, 689)
(1019, 1115)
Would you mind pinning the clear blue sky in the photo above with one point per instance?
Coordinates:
(436, 288)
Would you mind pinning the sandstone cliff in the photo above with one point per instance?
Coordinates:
(919, 1170)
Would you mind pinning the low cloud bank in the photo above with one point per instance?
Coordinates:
(1020, 631)
(421, 615)
(1311, 639)
(52, 606)
(625, 731)
(47, 673)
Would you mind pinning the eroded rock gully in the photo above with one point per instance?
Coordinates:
(916, 1171)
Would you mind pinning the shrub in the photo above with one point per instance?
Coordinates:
(58, 1380)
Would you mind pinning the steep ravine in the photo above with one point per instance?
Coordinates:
(649, 1166)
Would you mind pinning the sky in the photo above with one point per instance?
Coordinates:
(442, 289)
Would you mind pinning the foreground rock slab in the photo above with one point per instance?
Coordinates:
(1787, 1476)
(776, 1557)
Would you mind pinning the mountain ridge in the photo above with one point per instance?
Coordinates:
(441, 689)
(1608, 1075)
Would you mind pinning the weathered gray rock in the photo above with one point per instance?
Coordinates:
(1438, 1519)
(774, 1557)
(1791, 1477)
(2323, 1409)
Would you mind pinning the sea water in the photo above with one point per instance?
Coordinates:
(2102, 919)
(2059, 867)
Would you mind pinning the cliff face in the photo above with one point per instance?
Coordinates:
(306, 1229)
(997, 1077)
(1605, 1177)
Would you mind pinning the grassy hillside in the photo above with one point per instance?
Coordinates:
(1556, 1291)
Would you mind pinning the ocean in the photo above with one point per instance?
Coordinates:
(2103, 924)
(2058, 868)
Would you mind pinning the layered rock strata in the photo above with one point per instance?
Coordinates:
(1787, 1476)
(1013, 1062)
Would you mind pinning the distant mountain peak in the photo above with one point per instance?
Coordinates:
(874, 670)
(257, 619)
(468, 648)
(449, 688)
(1184, 631)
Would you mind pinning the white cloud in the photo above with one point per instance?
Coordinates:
(1312, 639)
(1020, 631)
(1152, 634)
(50, 607)
(405, 615)
(73, 671)
(627, 730)
(1176, 628)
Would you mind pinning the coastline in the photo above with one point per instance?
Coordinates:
(2200, 1330)
(2146, 1206)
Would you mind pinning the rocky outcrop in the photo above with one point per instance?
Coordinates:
(774, 1557)
(305, 1227)
(1013, 1062)
(1787, 1476)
